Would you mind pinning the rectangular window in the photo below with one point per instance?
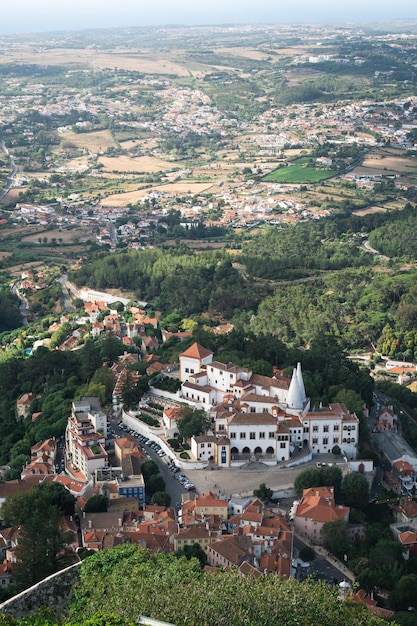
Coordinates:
(252, 409)
(336, 427)
(335, 439)
(315, 440)
(202, 445)
(261, 435)
(282, 444)
(243, 435)
(325, 441)
(315, 429)
(232, 435)
(271, 435)
(326, 428)
(251, 435)
(187, 370)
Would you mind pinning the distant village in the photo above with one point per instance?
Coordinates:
(245, 202)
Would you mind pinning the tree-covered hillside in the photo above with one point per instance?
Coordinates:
(297, 283)
(174, 280)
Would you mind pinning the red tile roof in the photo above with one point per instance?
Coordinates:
(196, 351)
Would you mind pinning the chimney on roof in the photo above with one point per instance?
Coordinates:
(90, 523)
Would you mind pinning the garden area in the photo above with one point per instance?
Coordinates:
(180, 447)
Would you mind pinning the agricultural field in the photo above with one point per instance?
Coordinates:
(93, 142)
(61, 236)
(297, 174)
(138, 165)
(149, 62)
(384, 162)
(121, 200)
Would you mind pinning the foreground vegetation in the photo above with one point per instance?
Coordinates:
(118, 585)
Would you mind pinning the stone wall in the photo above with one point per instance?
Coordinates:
(54, 592)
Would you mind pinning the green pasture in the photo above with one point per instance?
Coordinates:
(297, 174)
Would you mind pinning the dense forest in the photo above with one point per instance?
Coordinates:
(10, 316)
(173, 280)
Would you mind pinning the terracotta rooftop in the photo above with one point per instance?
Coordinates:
(196, 351)
(252, 418)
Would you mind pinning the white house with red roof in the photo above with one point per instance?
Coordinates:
(193, 360)
(209, 382)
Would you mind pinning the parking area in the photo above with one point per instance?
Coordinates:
(242, 481)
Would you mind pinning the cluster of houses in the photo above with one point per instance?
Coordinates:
(239, 532)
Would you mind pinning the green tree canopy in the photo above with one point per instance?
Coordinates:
(334, 537)
(41, 548)
(161, 498)
(264, 493)
(97, 504)
(154, 484)
(193, 552)
(404, 595)
(192, 422)
(356, 490)
(329, 476)
(149, 468)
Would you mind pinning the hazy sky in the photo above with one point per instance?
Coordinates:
(20, 16)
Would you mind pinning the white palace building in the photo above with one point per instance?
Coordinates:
(259, 416)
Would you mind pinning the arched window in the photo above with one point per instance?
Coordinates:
(258, 450)
(246, 450)
(270, 450)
